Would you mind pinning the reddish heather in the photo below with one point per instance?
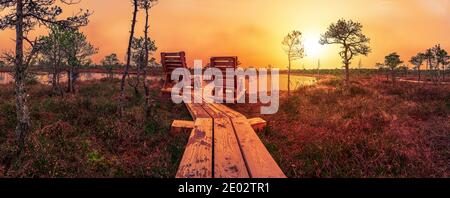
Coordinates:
(370, 129)
(81, 136)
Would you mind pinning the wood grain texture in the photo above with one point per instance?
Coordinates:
(258, 124)
(235, 148)
(226, 110)
(228, 159)
(258, 159)
(183, 124)
(196, 111)
(197, 158)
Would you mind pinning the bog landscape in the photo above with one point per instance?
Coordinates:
(362, 89)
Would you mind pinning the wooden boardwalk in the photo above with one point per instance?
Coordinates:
(224, 144)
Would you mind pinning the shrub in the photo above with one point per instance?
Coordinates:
(354, 90)
(31, 79)
(334, 82)
(8, 112)
(151, 127)
(291, 106)
(95, 157)
(105, 107)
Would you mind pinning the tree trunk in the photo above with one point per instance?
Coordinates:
(347, 65)
(22, 112)
(289, 77)
(428, 69)
(138, 81)
(393, 76)
(418, 70)
(110, 72)
(443, 73)
(147, 91)
(438, 74)
(347, 74)
(69, 79)
(54, 79)
(58, 77)
(127, 66)
(71, 82)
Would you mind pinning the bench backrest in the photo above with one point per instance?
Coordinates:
(224, 62)
(172, 60)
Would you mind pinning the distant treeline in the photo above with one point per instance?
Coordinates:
(157, 69)
(365, 71)
(84, 68)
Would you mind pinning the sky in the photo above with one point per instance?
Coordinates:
(253, 29)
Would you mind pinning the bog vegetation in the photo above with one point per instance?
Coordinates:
(370, 129)
(392, 121)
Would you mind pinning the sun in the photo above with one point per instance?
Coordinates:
(312, 46)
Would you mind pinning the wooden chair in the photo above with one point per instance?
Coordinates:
(223, 63)
(171, 61)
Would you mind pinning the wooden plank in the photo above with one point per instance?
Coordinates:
(221, 58)
(224, 58)
(183, 124)
(180, 125)
(258, 124)
(224, 62)
(237, 151)
(173, 53)
(259, 162)
(228, 111)
(258, 159)
(173, 66)
(229, 64)
(228, 159)
(173, 59)
(213, 112)
(197, 111)
(197, 157)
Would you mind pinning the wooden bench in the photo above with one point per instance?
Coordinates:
(223, 63)
(223, 144)
(171, 61)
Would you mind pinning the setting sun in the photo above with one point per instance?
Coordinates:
(312, 47)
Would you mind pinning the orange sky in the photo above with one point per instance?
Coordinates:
(253, 29)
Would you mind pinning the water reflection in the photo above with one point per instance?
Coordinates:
(296, 81)
(6, 78)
